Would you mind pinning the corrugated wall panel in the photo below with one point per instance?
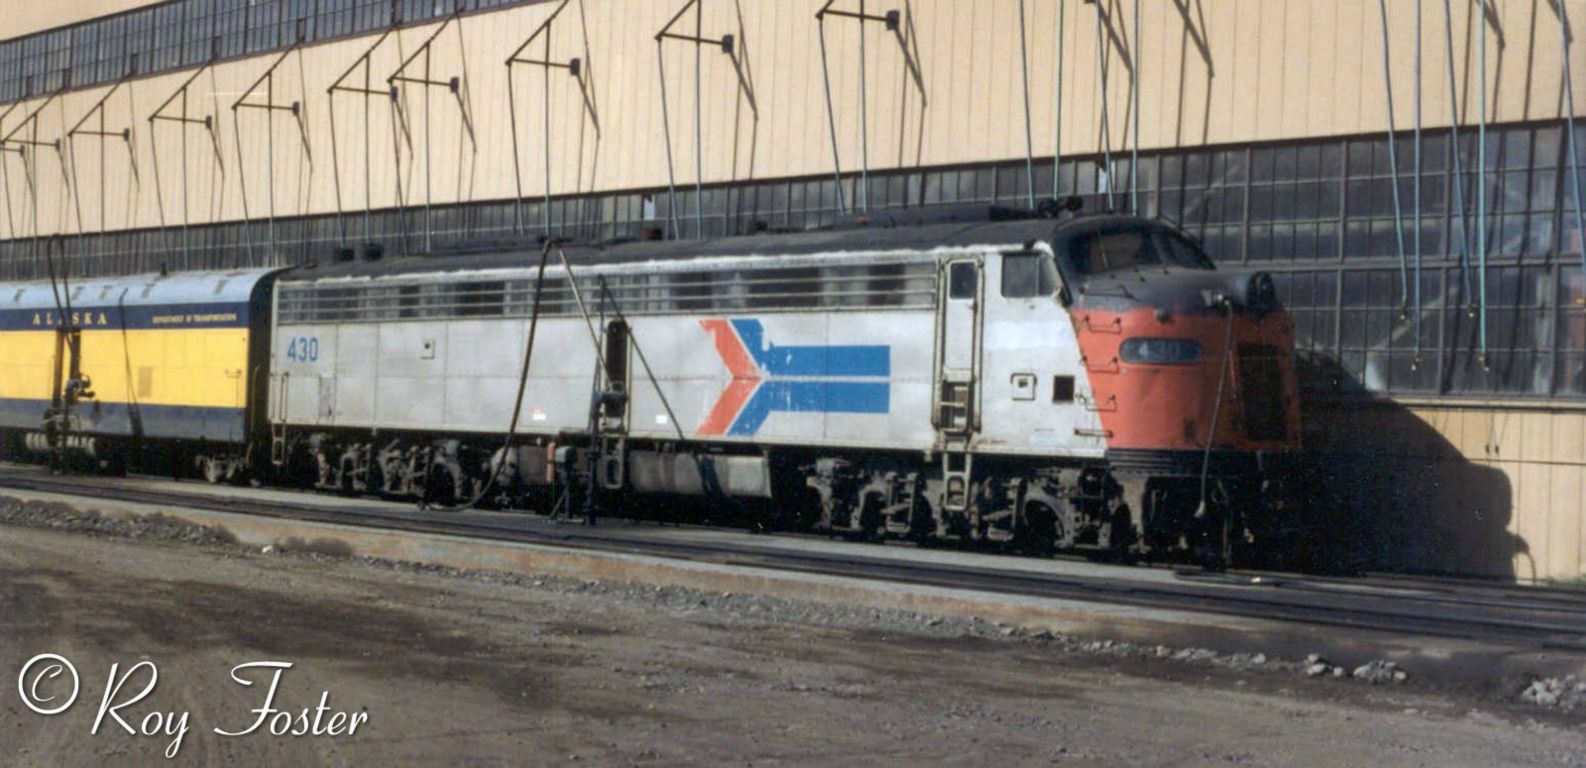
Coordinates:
(27, 18)
(1277, 70)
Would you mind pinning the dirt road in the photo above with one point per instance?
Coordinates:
(480, 670)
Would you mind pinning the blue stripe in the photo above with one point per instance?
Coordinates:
(187, 422)
(812, 361)
(219, 315)
(811, 397)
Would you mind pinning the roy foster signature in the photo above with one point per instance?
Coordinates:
(49, 685)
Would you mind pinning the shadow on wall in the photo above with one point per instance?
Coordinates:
(1384, 491)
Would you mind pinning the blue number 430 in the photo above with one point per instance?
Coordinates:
(303, 349)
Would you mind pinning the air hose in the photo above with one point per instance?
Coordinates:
(1211, 435)
(517, 405)
(61, 290)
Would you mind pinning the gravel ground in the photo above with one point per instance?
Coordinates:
(480, 668)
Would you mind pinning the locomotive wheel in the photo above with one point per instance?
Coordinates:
(115, 463)
(872, 523)
(213, 471)
(1041, 530)
(1214, 541)
(441, 486)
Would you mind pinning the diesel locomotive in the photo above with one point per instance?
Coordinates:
(1051, 383)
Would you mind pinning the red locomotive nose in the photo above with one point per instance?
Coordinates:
(1161, 380)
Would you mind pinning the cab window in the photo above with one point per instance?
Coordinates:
(1180, 252)
(1133, 246)
(1028, 275)
(1119, 249)
(961, 279)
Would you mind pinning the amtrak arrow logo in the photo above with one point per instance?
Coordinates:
(767, 378)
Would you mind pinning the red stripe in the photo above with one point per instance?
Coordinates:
(745, 378)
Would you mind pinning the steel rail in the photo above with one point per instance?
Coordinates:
(1396, 611)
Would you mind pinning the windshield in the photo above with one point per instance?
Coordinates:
(1133, 245)
(1180, 251)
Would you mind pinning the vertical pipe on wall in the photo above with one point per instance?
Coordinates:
(134, 182)
(1134, 87)
(335, 168)
(429, 223)
(368, 182)
(517, 162)
(1029, 133)
(1106, 118)
(666, 132)
(30, 175)
(186, 216)
(11, 227)
(9, 269)
(545, 215)
(1481, 186)
(269, 171)
(831, 117)
(1458, 202)
(864, 119)
(72, 186)
(209, 122)
(1569, 121)
(1415, 363)
(159, 191)
(5, 175)
(397, 123)
(242, 183)
(699, 120)
(68, 184)
(5, 192)
(1057, 107)
(1393, 162)
(103, 255)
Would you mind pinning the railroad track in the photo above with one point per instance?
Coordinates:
(1545, 620)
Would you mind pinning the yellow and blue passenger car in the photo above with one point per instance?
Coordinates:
(169, 361)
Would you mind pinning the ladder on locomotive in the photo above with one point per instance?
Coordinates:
(276, 409)
(958, 319)
(609, 409)
(606, 462)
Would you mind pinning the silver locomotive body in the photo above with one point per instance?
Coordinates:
(925, 381)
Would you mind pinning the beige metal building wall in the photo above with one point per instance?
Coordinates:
(24, 18)
(947, 88)
(1489, 487)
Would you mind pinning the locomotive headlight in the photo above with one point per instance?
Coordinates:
(1160, 351)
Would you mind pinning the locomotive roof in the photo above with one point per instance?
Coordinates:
(885, 232)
